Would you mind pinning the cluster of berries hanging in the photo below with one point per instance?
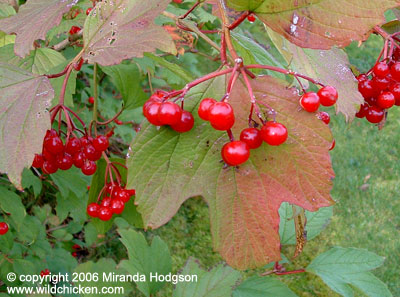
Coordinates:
(3, 228)
(380, 88)
(81, 152)
(311, 101)
(112, 202)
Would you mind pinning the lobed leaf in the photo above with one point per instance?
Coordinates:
(258, 286)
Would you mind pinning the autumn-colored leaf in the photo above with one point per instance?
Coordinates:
(166, 168)
(24, 119)
(180, 37)
(122, 29)
(319, 24)
(32, 22)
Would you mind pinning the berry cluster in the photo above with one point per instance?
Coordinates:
(380, 92)
(45, 272)
(326, 96)
(113, 202)
(3, 228)
(81, 152)
(159, 113)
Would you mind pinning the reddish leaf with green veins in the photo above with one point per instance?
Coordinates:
(166, 168)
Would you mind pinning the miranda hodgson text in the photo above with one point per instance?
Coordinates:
(153, 277)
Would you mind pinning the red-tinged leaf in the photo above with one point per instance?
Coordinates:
(24, 119)
(166, 168)
(122, 29)
(319, 24)
(34, 19)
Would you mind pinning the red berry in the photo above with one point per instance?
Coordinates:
(93, 210)
(371, 101)
(64, 161)
(38, 161)
(49, 167)
(395, 90)
(327, 96)
(204, 107)
(131, 192)
(118, 122)
(89, 167)
(395, 71)
(106, 202)
(362, 77)
(221, 116)
(385, 100)
(53, 145)
(45, 272)
(123, 195)
(381, 69)
(366, 88)
(169, 113)
(309, 101)
(177, 1)
(380, 84)
(100, 143)
(324, 116)
(251, 18)
(235, 153)
(152, 99)
(374, 115)
(86, 140)
(3, 228)
(105, 213)
(251, 136)
(117, 206)
(363, 111)
(74, 254)
(47, 156)
(152, 113)
(274, 133)
(91, 100)
(76, 247)
(88, 10)
(74, 30)
(185, 124)
(91, 153)
(73, 146)
(79, 159)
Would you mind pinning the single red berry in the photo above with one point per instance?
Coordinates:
(152, 99)
(362, 77)
(309, 101)
(88, 188)
(88, 10)
(385, 100)
(49, 167)
(101, 143)
(327, 96)
(366, 88)
(131, 192)
(185, 124)
(371, 101)
(38, 161)
(395, 90)
(73, 146)
(158, 96)
(152, 113)
(105, 213)
(380, 84)
(106, 202)
(89, 167)
(45, 272)
(50, 133)
(76, 247)
(118, 122)
(235, 153)
(64, 161)
(251, 18)
(115, 191)
(374, 115)
(204, 107)
(251, 136)
(381, 69)
(3, 228)
(363, 111)
(110, 133)
(47, 156)
(91, 100)
(79, 159)
(117, 206)
(86, 140)
(53, 145)
(177, 1)
(74, 30)
(324, 116)
(91, 153)
(74, 254)
(109, 188)
(274, 133)
(332, 145)
(169, 113)
(123, 195)
(221, 116)
(93, 210)
(395, 71)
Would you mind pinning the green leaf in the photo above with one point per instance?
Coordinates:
(32, 22)
(127, 79)
(6, 39)
(11, 203)
(318, 24)
(70, 181)
(90, 234)
(6, 10)
(109, 29)
(216, 282)
(31, 180)
(24, 119)
(166, 168)
(72, 205)
(258, 286)
(145, 259)
(340, 267)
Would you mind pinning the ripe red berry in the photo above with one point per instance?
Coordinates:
(123, 195)
(73, 146)
(169, 113)
(251, 18)
(64, 161)
(106, 202)
(3, 228)
(380, 84)
(101, 143)
(49, 167)
(221, 116)
(395, 90)
(381, 69)
(88, 10)
(385, 100)
(105, 213)
(152, 99)
(53, 145)
(76, 247)
(235, 153)
(118, 122)
(324, 116)
(374, 115)
(74, 254)
(86, 140)
(177, 1)
(362, 77)
(47, 156)
(45, 272)
(251, 136)
(395, 71)
(93, 210)
(363, 111)
(309, 101)
(38, 161)
(366, 88)
(74, 30)
(89, 167)
(91, 100)
(152, 113)
(185, 124)
(91, 153)
(327, 96)
(79, 159)
(117, 206)
(204, 107)
(274, 133)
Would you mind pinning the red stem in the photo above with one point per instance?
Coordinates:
(110, 120)
(190, 10)
(58, 74)
(290, 272)
(239, 20)
(223, 49)
(254, 106)
(230, 134)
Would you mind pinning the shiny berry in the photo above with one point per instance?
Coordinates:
(221, 116)
(185, 124)
(86, 140)
(251, 18)
(3, 228)
(204, 107)
(324, 116)
(47, 156)
(235, 153)
(115, 191)
(117, 206)
(53, 145)
(169, 113)
(395, 71)
(380, 84)
(73, 146)
(395, 90)
(89, 167)
(106, 202)
(274, 133)
(362, 77)
(93, 210)
(105, 213)
(118, 122)
(100, 143)
(76, 247)
(374, 114)
(79, 159)
(49, 167)
(45, 272)
(123, 195)
(91, 100)
(38, 161)
(381, 69)
(89, 10)
(91, 153)
(363, 111)
(366, 88)
(251, 136)
(152, 113)
(74, 30)
(74, 254)
(385, 100)
(309, 101)
(327, 96)
(64, 161)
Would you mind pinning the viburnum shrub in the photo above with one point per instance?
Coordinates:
(113, 113)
